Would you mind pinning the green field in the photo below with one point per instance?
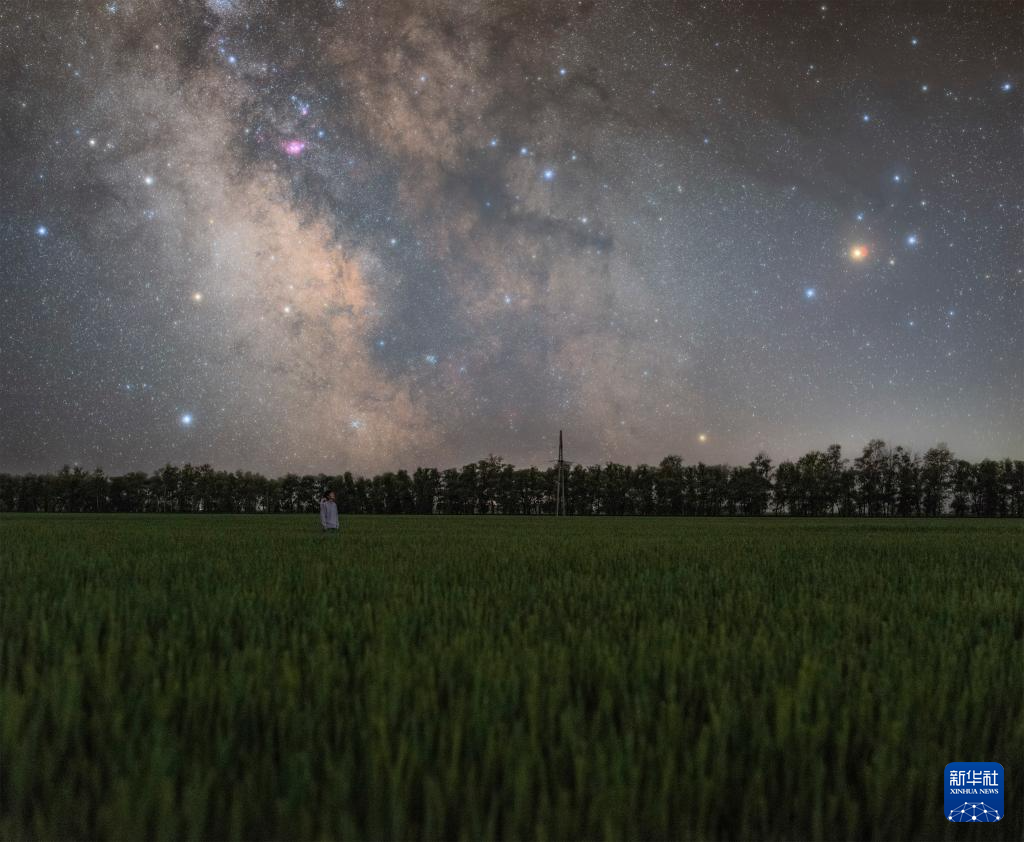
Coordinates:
(428, 677)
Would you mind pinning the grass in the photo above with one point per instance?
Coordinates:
(251, 677)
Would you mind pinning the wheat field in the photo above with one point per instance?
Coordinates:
(230, 677)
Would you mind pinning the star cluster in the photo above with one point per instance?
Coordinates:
(362, 235)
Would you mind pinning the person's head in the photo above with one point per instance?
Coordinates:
(329, 496)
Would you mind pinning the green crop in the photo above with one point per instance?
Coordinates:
(447, 678)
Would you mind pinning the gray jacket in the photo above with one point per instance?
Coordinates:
(329, 514)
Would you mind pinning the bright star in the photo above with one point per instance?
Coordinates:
(431, 359)
(562, 71)
(913, 42)
(549, 175)
(149, 181)
(702, 438)
(494, 142)
(186, 420)
(924, 88)
(912, 240)
(1006, 87)
(859, 253)
(897, 179)
(866, 118)
(860, 217)
(524, 151)
(197, 296)
(810, 293)
(42, 231)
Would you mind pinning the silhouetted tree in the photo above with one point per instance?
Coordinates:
(881, 481)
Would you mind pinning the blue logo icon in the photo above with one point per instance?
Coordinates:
(974, 792)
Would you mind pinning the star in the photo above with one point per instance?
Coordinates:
(186, 419)
(549, 175)
(912, 239)
(42, 231)
(859, 253)
(702, 438)
(1006, 87)
(810, 293)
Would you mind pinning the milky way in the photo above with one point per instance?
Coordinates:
(364, 235)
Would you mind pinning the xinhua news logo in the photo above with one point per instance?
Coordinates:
(974, 792)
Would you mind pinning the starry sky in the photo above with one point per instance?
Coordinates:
(370, 234)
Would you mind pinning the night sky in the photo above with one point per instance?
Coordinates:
(370, 234)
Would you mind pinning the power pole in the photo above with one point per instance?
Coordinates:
(560, 487)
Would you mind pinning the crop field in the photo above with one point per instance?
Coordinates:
(481, 677)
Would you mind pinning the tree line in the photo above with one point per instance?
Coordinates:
(880, 482)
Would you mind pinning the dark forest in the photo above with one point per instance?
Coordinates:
(880, 482)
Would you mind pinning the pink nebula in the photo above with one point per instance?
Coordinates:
(293, 148)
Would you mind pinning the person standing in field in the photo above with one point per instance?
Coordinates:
(329, 512)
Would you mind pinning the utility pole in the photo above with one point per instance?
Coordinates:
(560, 487)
